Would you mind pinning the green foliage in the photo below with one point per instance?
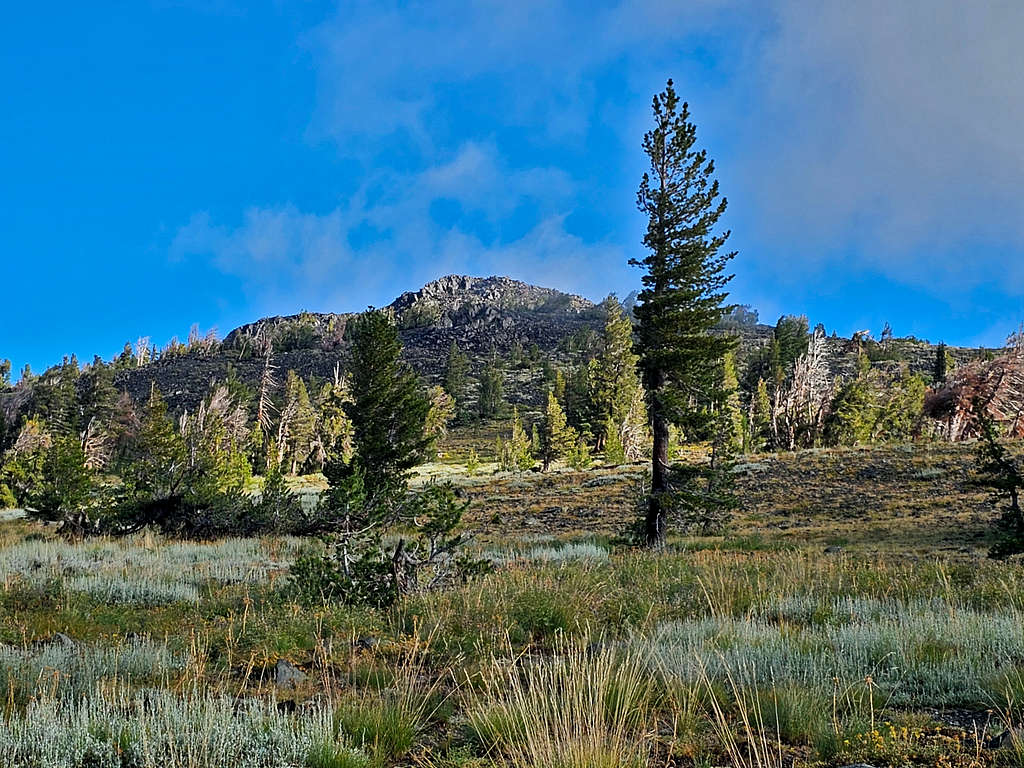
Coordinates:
(876, 407)
(441, 413)
(614, 452)
(557, 438)
(297, 423)
(5, 374)
(491, 392)
(614, 379)
(684, 287)
(578, 454)
(55, 399)
(66, 489)
(998, 471)
(22, 465)
(328, 754)
(732, 413)
(790, 340)
(299, 332)
(759, 418)
(359, 568)
(941, 367)
(276, 509)
(472, 462)
(332, 431)
(514, 455)
(180, 484)
(456, 377)
(389, 408)
(853, 413)
(581, 407)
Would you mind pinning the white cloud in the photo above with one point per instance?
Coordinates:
(894, 124)
(284, 256)
(884, 132)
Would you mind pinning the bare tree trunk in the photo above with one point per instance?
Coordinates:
(657, 516)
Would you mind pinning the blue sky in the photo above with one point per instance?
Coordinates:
(170, 163)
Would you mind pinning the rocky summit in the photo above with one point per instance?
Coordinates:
(485, 316)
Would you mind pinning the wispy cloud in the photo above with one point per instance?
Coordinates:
(281, 253)
(874, 136)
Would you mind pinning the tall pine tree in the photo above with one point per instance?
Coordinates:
(683, 292)
(389, 407)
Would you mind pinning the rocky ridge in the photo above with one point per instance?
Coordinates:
(485, 316)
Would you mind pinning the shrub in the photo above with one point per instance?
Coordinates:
(360, 568)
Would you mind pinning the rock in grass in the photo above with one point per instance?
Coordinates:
(64, 641)
(597, 482)
(367, 642)
(287, 675)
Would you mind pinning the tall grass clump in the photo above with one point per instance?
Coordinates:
(573, 710)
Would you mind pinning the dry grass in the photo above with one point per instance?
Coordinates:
(575, 709)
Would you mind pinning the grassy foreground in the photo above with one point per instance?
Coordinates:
(757, 649)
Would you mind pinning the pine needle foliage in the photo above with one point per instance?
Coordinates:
(683, 289)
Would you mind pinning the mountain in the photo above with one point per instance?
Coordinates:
(485, 316)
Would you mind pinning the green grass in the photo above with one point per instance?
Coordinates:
(753, 648)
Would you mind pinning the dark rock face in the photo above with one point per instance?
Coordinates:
(482, 315)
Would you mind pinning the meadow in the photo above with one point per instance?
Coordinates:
(848, 616)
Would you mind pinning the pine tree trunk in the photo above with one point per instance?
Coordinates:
(657, 515)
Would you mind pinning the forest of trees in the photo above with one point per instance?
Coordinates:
(779, 395)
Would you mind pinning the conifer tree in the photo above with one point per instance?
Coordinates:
(514, 454)
(733, 412)
(615, 378)
(65, 491)
(557, 438)
(332, 433)
(388, 409)
(944, 363)
(441, 413)
(298, 422)
(614, 451)
(456, 377)
(760, 417)
(684, 288)
(491, 392)
(578, 456)
(581, 405)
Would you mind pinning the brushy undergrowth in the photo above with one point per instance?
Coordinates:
(569, 654)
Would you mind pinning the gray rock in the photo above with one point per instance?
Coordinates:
(367, 643)
(833, 550)
(287, 675)
(63, 640)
